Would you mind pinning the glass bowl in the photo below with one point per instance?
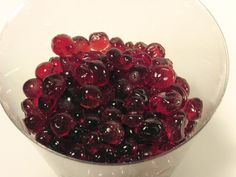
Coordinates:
(192, 39)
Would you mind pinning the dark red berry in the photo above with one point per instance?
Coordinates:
(91, 55)
(91, 96)
(54, 85)
(123, 88)
(84, 75)
(46, 104)
(91, 139)
(117, 42)
(129, 45)
(138, 76)
(132, 52)
(166, 102)
(162, 76)
(91, 122)
(140, 46)
(78, 152)
(111, 114)
(162, 61)
(116, 75)
(29, 107)
(181, 82)
(61, 124)
(142, 94)
(33, 88)
(57, 67)
(142, 59)
(98, 41)
(124, 62)
(150, 129)
(128, 148)
(44, 69)
(132, 119)
(63, 45)
(118, 104)
(105, 153)
(44, 137)
(81, 44)
(155, 50)
(113, 56)
(35, 123)
(111, 132)
(135, 104)
(193, 109)
(108, 63)
(109, 92)
(189, 129)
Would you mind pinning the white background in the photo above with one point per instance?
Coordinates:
(213, 153)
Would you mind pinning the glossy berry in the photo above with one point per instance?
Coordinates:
(90, 96)
(128, 148)
(150, 129)
(162, 61)
(117, 42)
(132, 119)
(123, 88)
(35, 123)
(63, 45)
(193, 109)
(33, 88)
(118, 104)
(54, 85)
(142, 59)
(135, 104)
(29, 107)
(105, 153)
(44, 69)
(155, 50)
(109, 92)
(181, 82)
(111, 132)
(142, 94)
(166, 102)
(44, 137)
(190, 127)
(91, 55)
(129, 45)
(57, 66)
(111, 114)
(138, 76)
(140, 46)
(78, 152)
(92, 139)
(61, 124)
(113, 56)
(70, 64)
(108, 63)
(124, 62)
(162, 76)
(91, 122)
(98, 41)
(81, 44)
(46, 104)
(84, 75)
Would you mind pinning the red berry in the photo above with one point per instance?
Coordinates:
(127, 148)
(33, 88)
(54, 85)
(57, 67)
(162, 61)
(63, 45)
(111, 132)
(70, 64)
(129, 45)
(91, 55)
(78, 152)
(162, 76)
(98, 41)
(92, 139)
(124, 62)
(105, 153)
(123, 88)
(35, 123)
(112, 114)
(189, 129)
(81, 44)
(44, 69)
(117, 42)
(132, 52)
(46, 104)
(44, 137)
(135, 104)
(181, 82)
(132, 119)
(138, 76)
(91, 96)
(142, 59)
(193, 109)
(166, 102)
(140, 46)
(61, 124)
(155, 50)
(28, 107)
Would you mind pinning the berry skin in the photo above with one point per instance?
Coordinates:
(61, 124)
(181, 82)
(155, 50)
(166, 102)
(98, 41)
(124, 62)
(35, 123)
(162, 76)
(81, 44)
(105, 153)
(140, 46)
(132, 119)
(193, 109)
(129, 45)
(33, 88)
(29, 107)
(111, 132)
(54, 85)
(44, 69)
(63, 45)
(57, 67)
(142, 59)
(90, 96)
(117, 42)
(123, 88)
(138, 75)
(190, 127)
(162, 61)
(135, 104)
(112, 114)
(78, 152)
(91, 122)
(46, 104)
(44, 137)
(113, 55)
(118, 104)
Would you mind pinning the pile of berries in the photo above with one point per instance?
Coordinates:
(105, 101)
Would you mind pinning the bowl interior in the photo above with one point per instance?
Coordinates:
(190, 35)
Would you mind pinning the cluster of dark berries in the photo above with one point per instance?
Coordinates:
(105, 101)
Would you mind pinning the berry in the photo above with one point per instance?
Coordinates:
(105, 153)
(124, 62)
(70, 64)
(92, 139)
(129, 45)
(181, 82)
(113, 55)
(44, 69)
(162, 76)
(81, 44)
(135, 104)
(138, 76)
(132, 119)
(33, 88)
(162, 61)
(44, 137)
(90, 96)
(57, 67)
(142, 94)
(63, 45)
(140, 46)
(166, 102)
(127, 148)
(117, 42)
(54, 85)
(29, 107)
(193, 109)
(111, 132)
(35, 123)
(118, 104)
(190, 127)
(155, 50)
(91, 55)
(112, 114)
(98, 41)
(109, 92)
(123, 88)
(46, 104)
(142, 59)
(78, 152)
(91, 122)
(61, 124)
